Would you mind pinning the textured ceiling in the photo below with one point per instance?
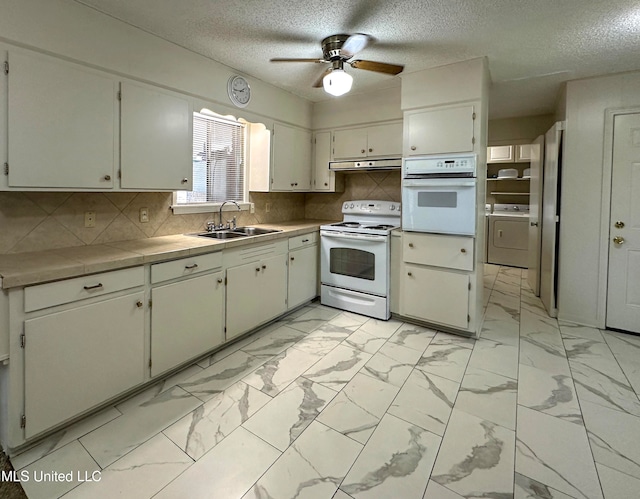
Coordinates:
(532, 46)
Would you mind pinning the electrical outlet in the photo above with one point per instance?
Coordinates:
(89, 219)
(267, 207)
(144, 215)
(252, 209)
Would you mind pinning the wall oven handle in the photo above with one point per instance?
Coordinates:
(359, 237)
(439, 182)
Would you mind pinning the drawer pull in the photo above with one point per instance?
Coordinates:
(292, 259)
(185, 180)
(413, 148)
(462, 250)
(191, 267)
(410, 245)
(107, 177)
(257, 269)
(264, 267)
(305, 240)
(220, 281)
(409, 274)
(91, 288)
(139, 304)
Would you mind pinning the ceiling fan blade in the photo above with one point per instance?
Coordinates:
(318, 83)
(354, 44)
(284, 59)
(378, 67)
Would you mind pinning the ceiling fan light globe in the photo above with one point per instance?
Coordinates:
(337, 83)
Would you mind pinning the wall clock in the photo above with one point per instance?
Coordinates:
(239, 91)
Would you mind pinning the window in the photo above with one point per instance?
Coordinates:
(218, 161)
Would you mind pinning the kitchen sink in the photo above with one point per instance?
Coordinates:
(222, 234)
(254, 231)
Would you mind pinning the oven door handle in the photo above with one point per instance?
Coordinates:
(442, 182)
(361, 237)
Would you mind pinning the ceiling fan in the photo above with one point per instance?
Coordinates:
(338, 50)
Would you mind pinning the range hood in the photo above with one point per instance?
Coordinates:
(365, 165)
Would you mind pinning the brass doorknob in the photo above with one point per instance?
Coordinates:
(618, 240)
(619, 225)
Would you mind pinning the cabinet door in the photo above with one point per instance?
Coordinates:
(301, 168)
(436, 296)
(303, 275)
(186, 320)
(385, 141)
(500, 154)
(62, 124)
(439, 131)
(523, 153)
(283, 158)
(256, 293)
(322, 176)
(155, 139)
(77, 359)
(350, 144)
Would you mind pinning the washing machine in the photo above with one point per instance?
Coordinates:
(508, 241)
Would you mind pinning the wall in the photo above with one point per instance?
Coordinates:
(584, 214)
(383, 186)
(522, 130)
(49, 220)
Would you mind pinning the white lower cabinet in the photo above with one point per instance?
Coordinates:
(186, 320)
(435, 295)
(78, 358)
(303, 275)
(256, 293)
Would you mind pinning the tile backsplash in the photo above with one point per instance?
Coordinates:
(32, 221)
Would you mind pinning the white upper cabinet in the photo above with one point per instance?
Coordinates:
(156, 139)
(381, 141)
(291, 163)
(62, 124)
(324, 180)
(439, 131)
(519, 153)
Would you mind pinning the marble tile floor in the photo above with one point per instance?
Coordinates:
(329, 404)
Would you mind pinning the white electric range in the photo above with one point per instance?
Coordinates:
(355, 258)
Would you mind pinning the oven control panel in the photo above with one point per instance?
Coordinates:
(370, 207)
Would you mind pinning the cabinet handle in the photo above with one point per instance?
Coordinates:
(296, 184)
(220, 281)
(371, 149)
(462, 250)
(257, 269)
(410, 245)
(326, 184)
(292, 259)
(413, 148)
(409, 274)
(139, 304)
(190, 267)
(264, 266)
(97, 286)
(185, 180)
(107, 177)
(362, 151)
(305, 240)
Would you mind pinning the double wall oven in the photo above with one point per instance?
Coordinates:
(355, 255)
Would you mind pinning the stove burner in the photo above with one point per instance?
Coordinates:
(352, 225)
(380, 227)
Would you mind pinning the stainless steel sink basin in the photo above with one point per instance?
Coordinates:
(254, 231)
(222, 234)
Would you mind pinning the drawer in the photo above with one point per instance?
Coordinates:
(437, 250)
(303, 240)
(70, 290)
(185, 267)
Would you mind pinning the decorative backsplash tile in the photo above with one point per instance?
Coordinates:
(32, 221)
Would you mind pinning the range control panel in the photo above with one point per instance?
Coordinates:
(370, 207)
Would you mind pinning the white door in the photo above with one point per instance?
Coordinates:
(535, 214)
(623, 291)
(550, 218)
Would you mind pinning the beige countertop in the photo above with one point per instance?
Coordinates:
(22, 269)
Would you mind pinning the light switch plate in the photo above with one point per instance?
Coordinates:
(144, 215)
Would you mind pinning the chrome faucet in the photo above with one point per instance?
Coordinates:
(221, 226)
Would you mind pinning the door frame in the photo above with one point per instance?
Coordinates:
(605, 209)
